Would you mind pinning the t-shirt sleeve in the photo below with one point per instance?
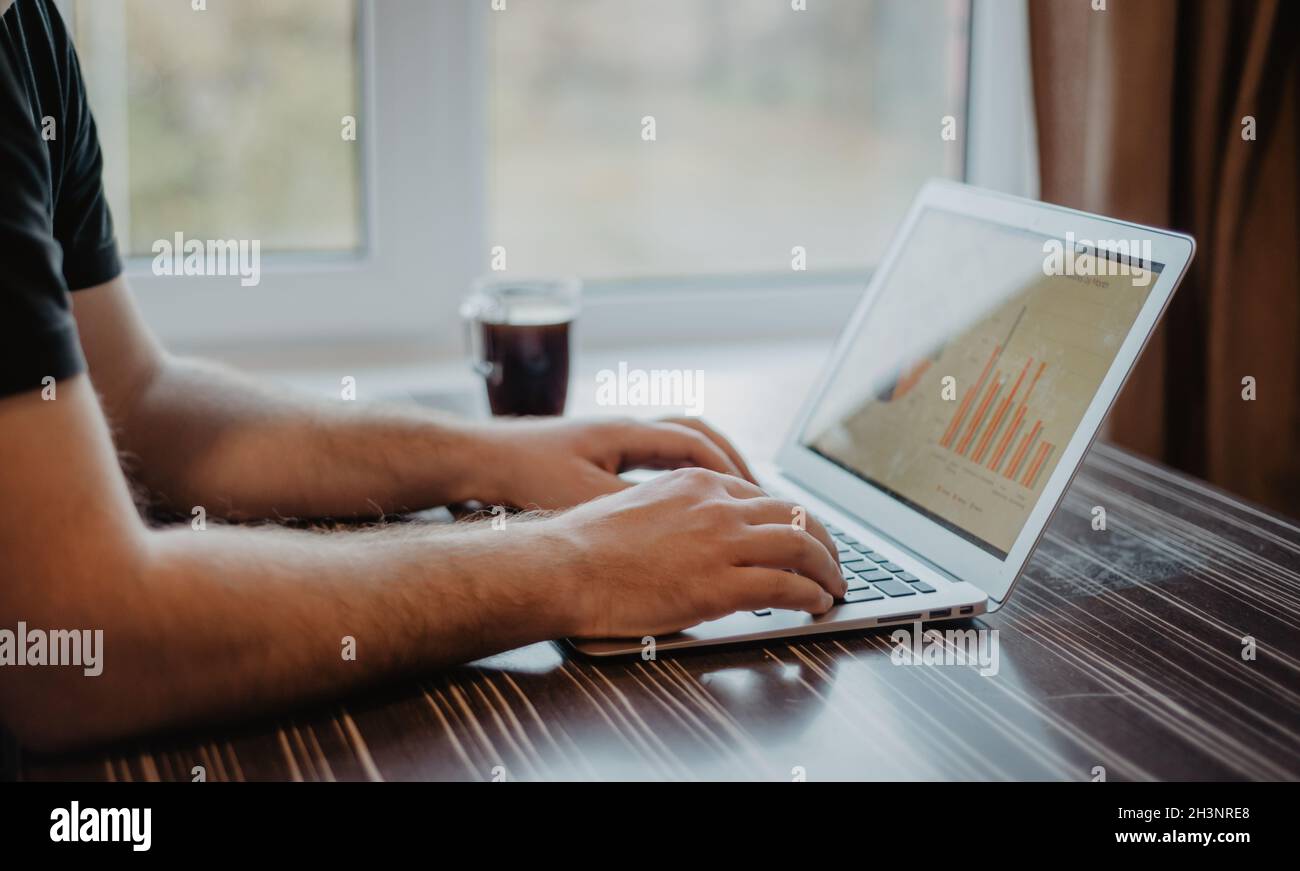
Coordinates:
(38, 336)
(83, 224)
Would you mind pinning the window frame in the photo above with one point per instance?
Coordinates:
(423, 105)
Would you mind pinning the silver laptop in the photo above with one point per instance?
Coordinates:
(958, 404)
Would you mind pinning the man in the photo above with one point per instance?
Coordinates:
(233, 619)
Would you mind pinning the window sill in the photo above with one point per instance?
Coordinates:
(735, 377)
(611, 319)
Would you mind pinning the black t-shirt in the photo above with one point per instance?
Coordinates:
(56, 233)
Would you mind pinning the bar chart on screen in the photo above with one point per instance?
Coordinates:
(1026, 373)
(1023, 373)
(992, 424)
(962, 392)
(1001, 440)
(1023, 370)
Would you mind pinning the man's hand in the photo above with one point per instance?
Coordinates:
(561, 463)
(684, 548)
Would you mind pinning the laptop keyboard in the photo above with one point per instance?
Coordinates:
(870, 574)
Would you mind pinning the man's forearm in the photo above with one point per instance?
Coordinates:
(207, 436)
(231, 621)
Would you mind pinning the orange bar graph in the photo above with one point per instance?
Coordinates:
(983, 446)
(1019, 455)
(1007, 437)
(994, 386)
(951, 432)
(1043, 450)
(1015, 423)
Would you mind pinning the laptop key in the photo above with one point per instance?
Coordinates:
(878, 558)
(891, 567)
(922, 586)
(894, 588)
(908, 576)
(875, 574)
(857, 584)
(867, 595)
(860, 548)
(856, 564)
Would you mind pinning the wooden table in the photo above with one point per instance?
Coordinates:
(1120, 650)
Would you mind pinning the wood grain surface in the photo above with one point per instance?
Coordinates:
(1119, 653)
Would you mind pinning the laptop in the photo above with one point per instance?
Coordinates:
(957, 405)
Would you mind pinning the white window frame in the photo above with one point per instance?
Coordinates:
(422, 128)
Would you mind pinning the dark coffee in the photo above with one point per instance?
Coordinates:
(527, 367)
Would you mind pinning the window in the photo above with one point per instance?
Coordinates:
(227, 122)
(773, 128)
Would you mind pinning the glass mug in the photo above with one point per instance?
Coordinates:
(519, 341)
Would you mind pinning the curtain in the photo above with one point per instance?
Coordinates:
(1186, 114)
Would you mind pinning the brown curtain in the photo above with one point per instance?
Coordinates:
(1140, 116)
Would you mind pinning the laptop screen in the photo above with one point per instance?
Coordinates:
(974, 367)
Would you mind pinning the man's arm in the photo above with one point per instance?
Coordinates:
(198, 434)
(201, 435)
(229, 621)
(200, 623)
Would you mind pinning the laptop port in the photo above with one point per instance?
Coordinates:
(901, 618)
(969, 609)
(942, 612)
